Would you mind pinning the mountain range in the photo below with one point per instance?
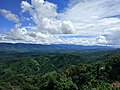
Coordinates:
(49, 48)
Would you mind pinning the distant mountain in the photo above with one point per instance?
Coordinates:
(49, 48)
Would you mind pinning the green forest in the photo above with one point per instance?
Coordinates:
(85, 70)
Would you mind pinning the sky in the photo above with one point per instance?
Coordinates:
(81, 22)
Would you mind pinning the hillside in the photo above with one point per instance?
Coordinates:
(80, 70)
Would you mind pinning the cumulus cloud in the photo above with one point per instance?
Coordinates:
(44, 15)
(101, 39)
(9, 15)
(20, 35)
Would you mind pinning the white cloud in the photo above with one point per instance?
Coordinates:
(101, 40)
(44, 15)
(20, 34)
(9, 15)
(114, 37)
(83, 17)
(87, 14)
(96, 18)
(67, 27)
(39, 9)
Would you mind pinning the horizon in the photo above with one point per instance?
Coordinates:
(55, 44)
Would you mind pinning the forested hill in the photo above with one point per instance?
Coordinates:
(33, 67)
(76, 71)
(48, 48)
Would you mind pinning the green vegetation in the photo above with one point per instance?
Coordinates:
(95, 70)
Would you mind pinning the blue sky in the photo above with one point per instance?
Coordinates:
(86, 22)
(14, 7)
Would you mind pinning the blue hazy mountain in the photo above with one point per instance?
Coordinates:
(48, 48)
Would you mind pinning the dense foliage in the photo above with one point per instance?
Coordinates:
(95, 70)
